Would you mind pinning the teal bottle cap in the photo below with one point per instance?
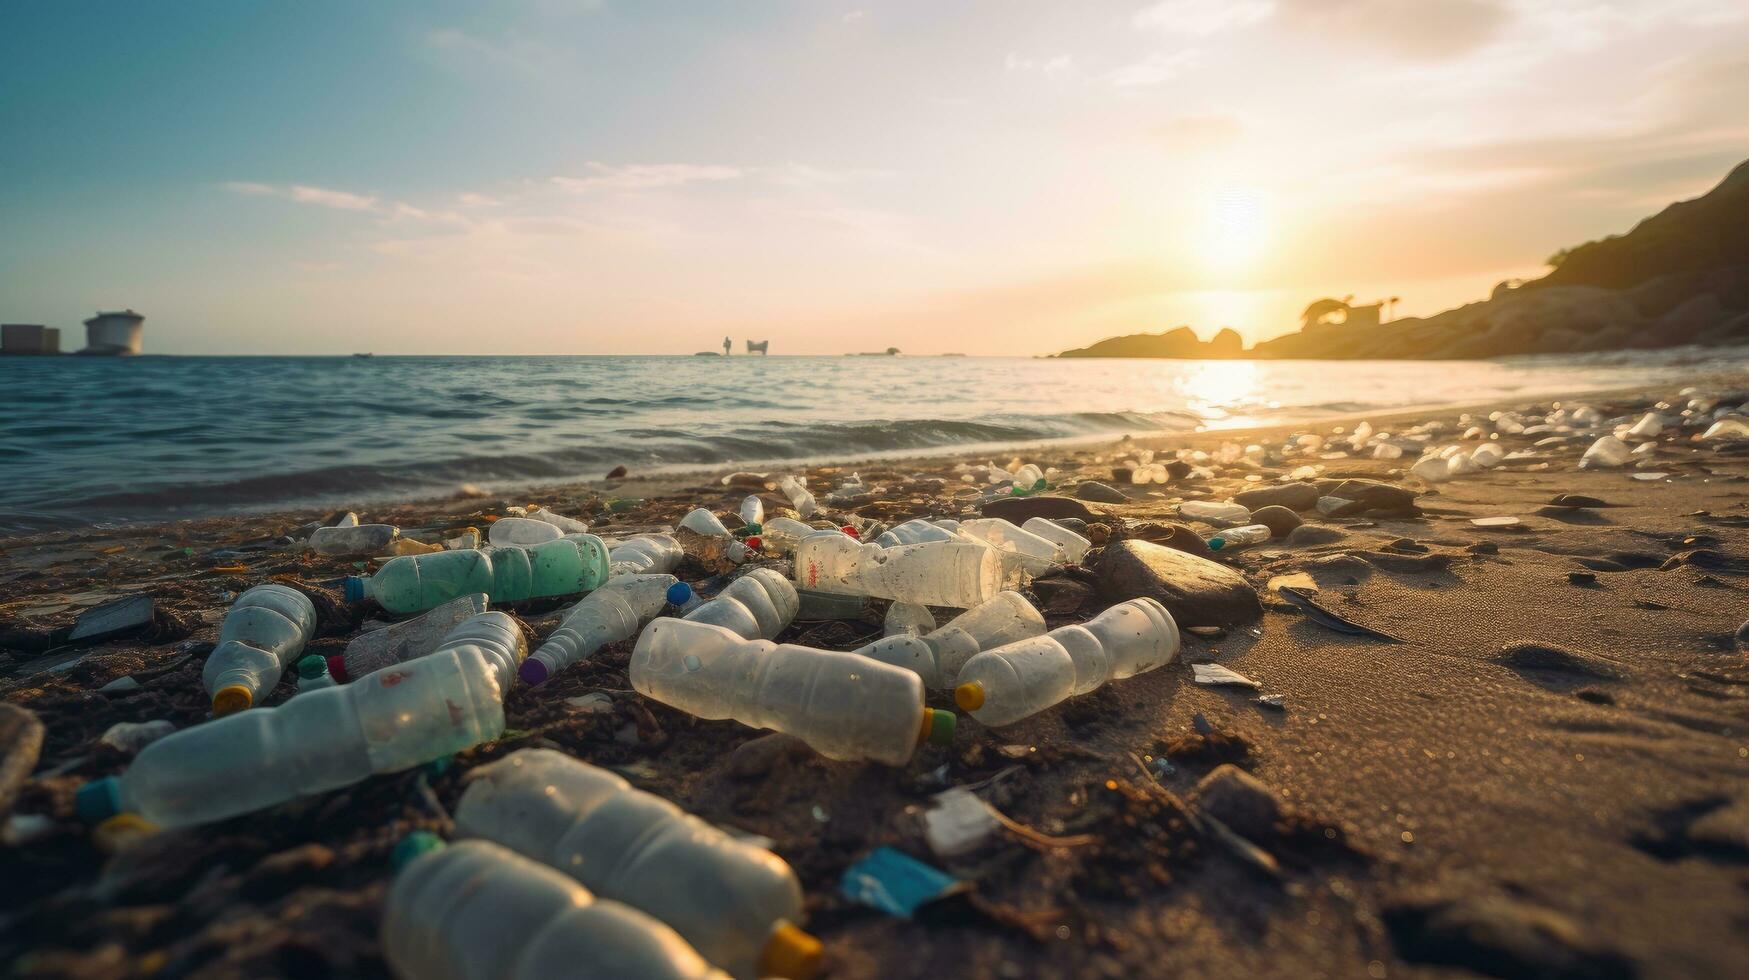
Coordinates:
(414, 845)
(98, 800)
(312, 666)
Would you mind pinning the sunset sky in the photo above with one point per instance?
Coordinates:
(1002, 177)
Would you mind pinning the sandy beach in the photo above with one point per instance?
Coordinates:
(1544, 775)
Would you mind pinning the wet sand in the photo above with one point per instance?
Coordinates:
(1544, 777)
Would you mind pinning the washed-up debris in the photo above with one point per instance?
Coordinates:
(1215, 675)
(131, 737)
(21, 743)
(1276, 701)
(1317, 613)
(1647, 476)
(892, 881)
(957, 823)
(22, 829)
(1495, 521)
(121, 685)
(112, 619)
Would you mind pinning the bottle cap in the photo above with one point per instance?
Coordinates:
(337, 668)
(312, 666)
(353, 588)
(756, 542)
(413, 845)
(98, 800)
(231, 699)
(678, 594)
(789, 952)
(851, 531)
(1216, 544)
(938, 726)
(970, 697)
(754, 528)
(533, 671)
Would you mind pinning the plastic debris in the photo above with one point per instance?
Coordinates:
(958, 822)
(1239, 537)
(1495, 521)
(372, 651)
(610, 614)
(645, 554)
(1324, 617)
(907, 617)
(755, 606)
(521, 532)
(1215, 675)
(344, 541)
(116, 618)
(419, 582)
(895, 883)
(263, 633)
(939, 573)
(131, 737)
(1215, 513)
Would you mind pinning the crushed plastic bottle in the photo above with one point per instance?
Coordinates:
(844, 706)
(907, 617)
(915, 531)
(799, 497)
(1073, 547)
(415, 583)
(1606, 452)
(610, 614)
(477, 911)
(392, 720)
(646, 554)
(521, 532)
(736, 903)
(938, 656)
(756, 606)
(1021, 549)
(354, 539)
(753, 510)
(263, 633)
(370, 652)
(1238, 537)
(938, 573)
(1214, 512)
(1002, 686)
(569, 525)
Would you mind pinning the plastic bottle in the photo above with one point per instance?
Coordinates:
(798, 495)
(356, 539)
(782, 534)
(915, 531)
(736, 903)
(608, 615)
(1002, 686)
(938, 573)
(756, 606)
(1073, 546)
(313, 674)
(379, 648)
(415, 583)
(1029, 478)
(843, 705)
(568, 525)
(646, 554)
(1022, 549)
(477, 911)
(521, 532)
(938, 656)
(1212, 512)
(907, 617)
(704, 522)
(496, 636)
(1238, 537)
(263, 633)
(392, 720)
(753, 510)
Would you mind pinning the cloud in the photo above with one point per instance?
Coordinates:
(1202, 18)
(1200, 132)
(305, 194)
(1056, 66)
(471, 200)
(1419, 29)
(645, 176)
(1155, 69)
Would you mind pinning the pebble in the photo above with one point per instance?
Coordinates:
(1581, 578)
(1307, 534)
(759, 756)
(1176, 536)
(1239, 800)
(1196, 591)
(1372, 495)
(1100, 493)
(1293, 496)
(1280, 520)
(1018, 510)
(1575, 500)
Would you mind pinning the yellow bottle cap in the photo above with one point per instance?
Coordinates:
(232, 699)
(117, 832)
(970, 697)
(790, 953)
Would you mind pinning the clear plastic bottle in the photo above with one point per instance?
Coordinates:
(521, 532)
(1214, 512)
(756, 606)
(1072, 546)
(843, 705)
(263, 633)
(1003, 619)
(1021, 548)
(497, 637)
(370, 652)
(392, 720)
(907, 617)
(753, 510)
(1239, 537)
(914, 531)
(355, 539)
(782, 534)
(477, 911)
(568, 525)
(798, 495)
(702, 521)
(313, 674)
(415, 583)
(937, 573)
(1002, 686)
(646, 554)
(608, 615)
(736, 903)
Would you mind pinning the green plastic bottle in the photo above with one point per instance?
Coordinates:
(414, 583)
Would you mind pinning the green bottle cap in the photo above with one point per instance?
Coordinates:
(312, 667)
(413, 845)
(941, 726)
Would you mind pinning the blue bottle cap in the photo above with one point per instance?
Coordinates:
(1216, 544)
(679, 594)
(412, 846)
(98, 800)
(533, 671)
(353, 588)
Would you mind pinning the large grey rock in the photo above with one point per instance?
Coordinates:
(1197, 592)
(1279, 520)
(1373, 495)
(1293, 496)
(1307, 534)
(1100, 493)
(1019, 509)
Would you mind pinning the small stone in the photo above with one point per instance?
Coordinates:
(1309, 534)
(1122, 474)
(617, 473)
(1276, 701)
(1196, 591)
(1483, 548)
(1175, 536)
(121, 685)
(1018, 510)
(1099, 534)
(1280, 520)
(1239, 800)
(1293, 496)
(1581, 578)
(1373, 495)
(1575, 500)
(1178, 469)
(1100, 493)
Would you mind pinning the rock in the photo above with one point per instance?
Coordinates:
(1178, 469)
(1280, 520)
(1743, 637)
(1575, 500)
(756, 758)
(617, 473)
(1340, 507)
(1581, 578)
(1060, 595)
(1374, 495)
(1307, 534)
(21, 742)
(1538, 658)
(1500, 937)
(1197, 592)
(1122, 474)
(1017, 510)
(1239, 800)
(1172, 535)
(117, 618)
(1100, 493)
(1293, 496)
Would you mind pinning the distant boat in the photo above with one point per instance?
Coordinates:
(365, 354)
(707, 353)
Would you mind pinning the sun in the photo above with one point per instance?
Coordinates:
(1235, 228)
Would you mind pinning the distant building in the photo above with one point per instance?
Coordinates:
(761, 347)
(29, 338)
(114, 333)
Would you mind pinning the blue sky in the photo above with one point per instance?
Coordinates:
(991, 177)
